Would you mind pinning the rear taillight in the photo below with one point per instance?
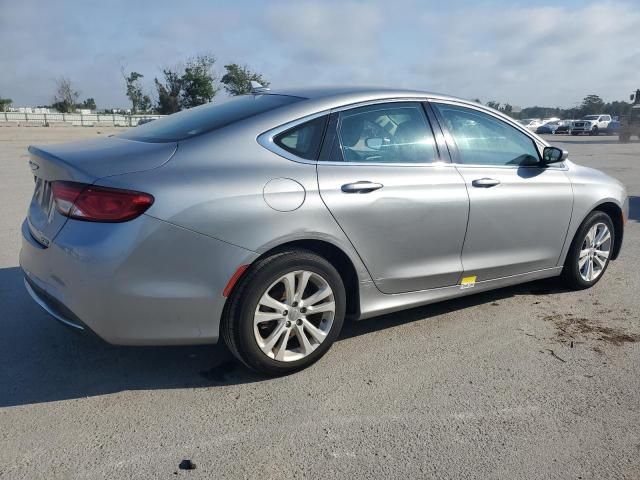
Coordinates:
(98, 204)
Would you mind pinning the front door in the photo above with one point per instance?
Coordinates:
(401, 206)
(519, 209)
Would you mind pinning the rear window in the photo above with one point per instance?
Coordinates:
(198, 120)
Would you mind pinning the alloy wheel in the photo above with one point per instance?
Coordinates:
(294, 316)
(594, 252)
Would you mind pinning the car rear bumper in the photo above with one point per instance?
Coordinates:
(143, 282)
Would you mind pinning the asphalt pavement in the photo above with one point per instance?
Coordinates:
(525, 382)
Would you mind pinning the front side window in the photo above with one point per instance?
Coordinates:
(485, 140)
(303, 140)
(386, 133)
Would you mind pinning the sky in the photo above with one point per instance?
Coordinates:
(546, 53)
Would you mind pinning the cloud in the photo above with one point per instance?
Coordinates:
(539, 55)
(543, 53)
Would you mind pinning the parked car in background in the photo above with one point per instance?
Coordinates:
(269, 219)
(549, 127)
(530, 123)
(591, 124)
(565, 127)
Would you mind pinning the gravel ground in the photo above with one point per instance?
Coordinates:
(524, 382)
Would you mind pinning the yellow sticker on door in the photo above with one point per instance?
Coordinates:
(468, 282)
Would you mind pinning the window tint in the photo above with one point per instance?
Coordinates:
(304, 140)
(485, 140)
(192, 122)
(386, 133)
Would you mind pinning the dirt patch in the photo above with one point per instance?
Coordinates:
(571, 328)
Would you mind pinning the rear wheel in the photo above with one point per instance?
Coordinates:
(590, 252)
(285, 313)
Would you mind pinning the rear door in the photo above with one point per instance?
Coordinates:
(519, 209)
(402, 205)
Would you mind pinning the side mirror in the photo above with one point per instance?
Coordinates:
(554, 155)
(374, 143)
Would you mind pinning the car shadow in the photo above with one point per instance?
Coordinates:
(43, 361)
(540, 287)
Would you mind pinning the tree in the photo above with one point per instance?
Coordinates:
(89, 104)
(169, 92)
(198, 81)
(591, 105)
(139, 101)
(617, 109)
(493, 104)
(5, 103)
(66, 96)
(237, 79)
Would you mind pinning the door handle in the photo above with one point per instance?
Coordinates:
(361, 187)
(485, 182)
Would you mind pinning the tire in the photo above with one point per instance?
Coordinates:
(574, 133)
(573, 273)
(594, 131)
(264, 282)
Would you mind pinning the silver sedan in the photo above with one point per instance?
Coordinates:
(271, 218)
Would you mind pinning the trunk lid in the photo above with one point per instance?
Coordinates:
(83, 162)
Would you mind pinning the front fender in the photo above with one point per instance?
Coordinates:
(592, 189)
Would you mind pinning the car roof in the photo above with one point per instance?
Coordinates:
(321, 99)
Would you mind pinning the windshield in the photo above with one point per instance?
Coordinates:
(198, 120)
(591, 117)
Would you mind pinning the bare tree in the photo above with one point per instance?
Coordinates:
(66, 96)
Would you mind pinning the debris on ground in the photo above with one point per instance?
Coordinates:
(187, 464)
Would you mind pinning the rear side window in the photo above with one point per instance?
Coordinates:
(205, 118)
(485, 140)
(304, 140)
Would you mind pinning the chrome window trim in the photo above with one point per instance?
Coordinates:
(379, 164)
(266, 138)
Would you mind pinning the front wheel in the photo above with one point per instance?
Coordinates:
(594, 131)
(285, 313)
(590, 252)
